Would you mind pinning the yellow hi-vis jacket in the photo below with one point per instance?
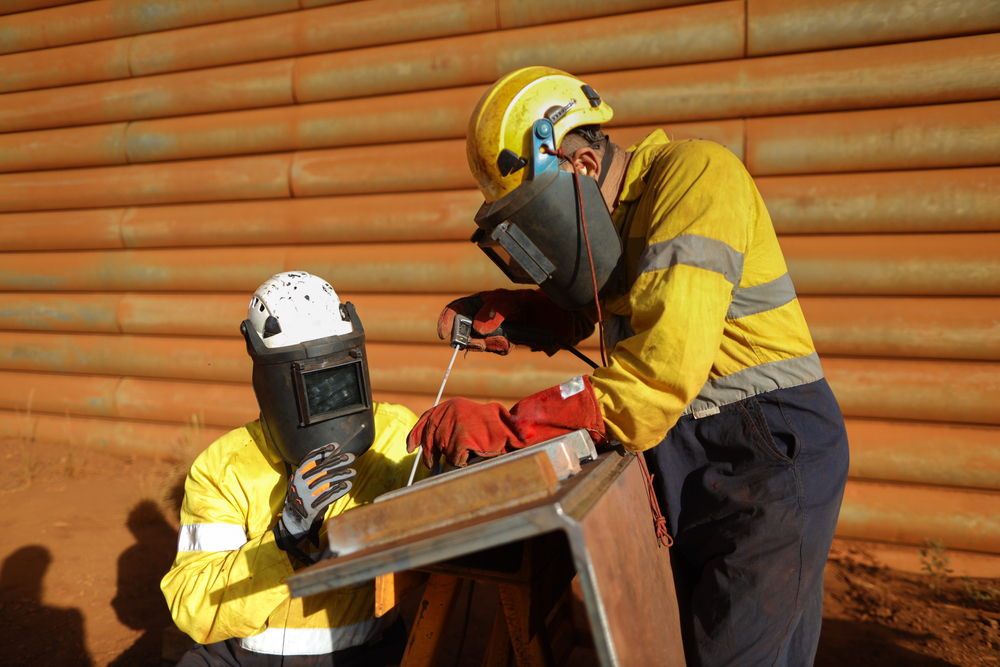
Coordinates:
(228, 580)
(704, 313)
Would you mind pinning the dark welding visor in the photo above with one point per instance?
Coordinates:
(315, 393)
(535, 234)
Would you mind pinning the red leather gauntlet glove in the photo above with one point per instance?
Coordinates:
(459, 426)
(526, 307)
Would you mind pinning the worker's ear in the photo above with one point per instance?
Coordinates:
(587, 162)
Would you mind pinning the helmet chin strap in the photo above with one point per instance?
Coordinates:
(609, 157)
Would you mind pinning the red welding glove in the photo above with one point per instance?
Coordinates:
(460, 426)
(524, 307)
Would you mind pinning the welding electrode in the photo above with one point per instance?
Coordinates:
(460, 333)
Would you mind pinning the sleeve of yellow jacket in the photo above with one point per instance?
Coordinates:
(695, 211)
(224, 584)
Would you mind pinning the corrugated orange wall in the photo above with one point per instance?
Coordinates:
(159, 160)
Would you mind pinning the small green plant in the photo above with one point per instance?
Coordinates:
(935, 562)
(974, 592)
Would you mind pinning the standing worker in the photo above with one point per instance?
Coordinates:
(255, 500)
(712, 372)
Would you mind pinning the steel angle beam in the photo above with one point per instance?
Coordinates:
(603, 511)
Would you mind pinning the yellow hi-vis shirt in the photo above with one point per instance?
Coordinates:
(228, 580)
(704, 313)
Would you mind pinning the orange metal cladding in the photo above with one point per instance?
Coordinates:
(404, 318)
(950, 391)
(408, 117)
(104, 19)
(92, 146)
(784, 26)
(376, 267)
(697, 33)
(922, 453)
(81, 63)
(419, 216)
(256, 177)
(15, 6)
(911, 514)
(216, 404)
(125, 438)
(886, 264)
(948, 70)
(430, 165)
(371, 23)
(948, 135)
(85, 313)
(209, 359)
(946, 200)
(327, 77)
(221, 89)
(917, 265)
(70, 230)
(935, 328)
(264, 38)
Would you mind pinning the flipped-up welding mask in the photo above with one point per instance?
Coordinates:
(536, 235)
(310, 369)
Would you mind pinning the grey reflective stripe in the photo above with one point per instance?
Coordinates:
(693, 250)
(761, 298)
(781, 374)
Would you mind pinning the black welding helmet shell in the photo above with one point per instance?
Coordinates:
(535, 233)
(315, 392)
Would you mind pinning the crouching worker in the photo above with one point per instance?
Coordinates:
(256, 500)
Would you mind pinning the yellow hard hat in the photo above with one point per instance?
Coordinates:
(498, 143)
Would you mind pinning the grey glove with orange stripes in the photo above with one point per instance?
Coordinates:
(322, 478)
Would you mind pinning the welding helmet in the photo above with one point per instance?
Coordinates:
(310, 369)
(532, 223)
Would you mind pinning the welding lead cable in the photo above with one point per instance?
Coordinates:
(416, 460)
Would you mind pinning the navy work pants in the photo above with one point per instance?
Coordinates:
(752, 496)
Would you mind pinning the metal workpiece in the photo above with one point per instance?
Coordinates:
(565, 454)
(906, 514)
(785, 26)
(931, 200)
(966, 134)
(954, 455)
(604, 514)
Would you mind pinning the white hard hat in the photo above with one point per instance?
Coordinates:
(296, 307)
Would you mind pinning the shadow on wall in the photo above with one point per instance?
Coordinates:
(139, 603)
(32, 633)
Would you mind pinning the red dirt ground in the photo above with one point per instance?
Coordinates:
(85, 538)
